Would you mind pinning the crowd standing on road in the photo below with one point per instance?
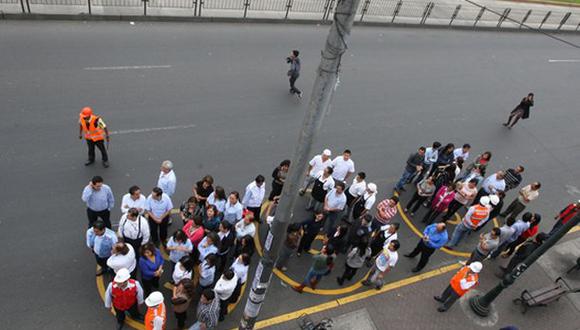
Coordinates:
(210, 253)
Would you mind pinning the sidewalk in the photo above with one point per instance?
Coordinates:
(412, 306)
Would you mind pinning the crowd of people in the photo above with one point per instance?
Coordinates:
(209, 255)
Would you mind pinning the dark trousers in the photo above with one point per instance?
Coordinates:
(511, 248)
(181, 317)
(480, 194)
(516, 207)
(102, 262)
(513, 118)
(159, 230)
(476, 256)
(454, 206)
(430, 217)
(223, 308)
(149, 285)
(330, 223)
(349, 272)
(425, 251)
(133, 311)
(105, 215)
(498, 250)
(306, 242)
(449, 297)
(101, 146)
(256, 211)
(293, 88)
(415, 202)
(556, 227)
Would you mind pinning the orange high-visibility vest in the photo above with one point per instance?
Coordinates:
(479, 214)
(152, 313)
(92, 132)
(461, 274)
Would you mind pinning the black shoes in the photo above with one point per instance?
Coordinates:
(416, 270)
(340, 281)
(105, 164)
(89, 162)
(438, 299)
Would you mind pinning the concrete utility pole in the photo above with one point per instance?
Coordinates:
(322, 91)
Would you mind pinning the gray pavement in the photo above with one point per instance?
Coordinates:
(399, 89)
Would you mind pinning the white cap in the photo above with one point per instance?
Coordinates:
(484, 201)
(475, 266)
(122, 275)
(494, 199)
(154, 299)
(326, 152)
(372, 187)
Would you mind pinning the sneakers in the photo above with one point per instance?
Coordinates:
(299, 94)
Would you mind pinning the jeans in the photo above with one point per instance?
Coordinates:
(105, 215)
(458, 233)
(330, 223)
(373, 277)
(293, 88)
(101, 146)
(404, 179)
(312, 275)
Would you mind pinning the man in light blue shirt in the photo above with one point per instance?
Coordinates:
(434, 237)
(334, 204)
(167, 180)
(158, 208)
(431, 154)
(100, 240)
(99, 199)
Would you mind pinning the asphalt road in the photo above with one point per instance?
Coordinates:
(399, 88)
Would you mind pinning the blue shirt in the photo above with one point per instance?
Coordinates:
(158, 207)
(98, 200)
(233, 213)
(204, 251)
(175, 255)
(149, 268)
(519, 226)
(101, 245)
(436, 239)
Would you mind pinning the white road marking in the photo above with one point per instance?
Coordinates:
(151, 129)
(564, 61)
(134, 67)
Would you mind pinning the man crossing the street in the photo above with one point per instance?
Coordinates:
(95, 132)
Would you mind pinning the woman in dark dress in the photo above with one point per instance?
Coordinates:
(279, 176)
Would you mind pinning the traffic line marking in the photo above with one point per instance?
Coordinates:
(355, 297)
(151, 129)
(129, 67)
(564, 61)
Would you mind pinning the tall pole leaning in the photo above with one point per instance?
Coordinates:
(326, 78)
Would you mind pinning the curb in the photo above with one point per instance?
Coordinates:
(196, 19)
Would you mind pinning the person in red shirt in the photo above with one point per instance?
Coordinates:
(565, 215)
(194, 230)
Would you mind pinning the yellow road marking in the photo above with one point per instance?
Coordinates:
(355, 297)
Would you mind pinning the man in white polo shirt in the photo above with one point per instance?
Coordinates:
(317, 163)
(343, 166)
(334, 204)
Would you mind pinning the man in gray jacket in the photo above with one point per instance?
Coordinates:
(294, 71)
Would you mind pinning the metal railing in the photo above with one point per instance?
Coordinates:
(448, 12)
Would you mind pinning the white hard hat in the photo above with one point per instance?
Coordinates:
(326, 152)
(372, 187)
(154, 299)
(484, 201)
(122, 275)
(475, 266)
(494, 199)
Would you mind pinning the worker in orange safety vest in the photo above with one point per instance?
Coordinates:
(464, 280)
(156, 316)
(95, 133)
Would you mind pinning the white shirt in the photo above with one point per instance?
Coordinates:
(220, 204)
(167, 182)
(128, 203)
(341, 168)
(130, 229)
(242, 229)
(118, 261)
(223, 288)
(179, 274)
(492, 185)
(318, 165)
(335, 200)
(458, 152)
(385, 260)
(369, 200)
(254, 195)
(430, 156)
(241, 270)
(357, 188)
(328, 183)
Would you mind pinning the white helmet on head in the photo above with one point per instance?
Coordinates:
(484, 201)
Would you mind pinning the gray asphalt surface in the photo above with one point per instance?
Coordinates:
(399, 89)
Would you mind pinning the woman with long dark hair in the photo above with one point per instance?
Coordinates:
(279, 176)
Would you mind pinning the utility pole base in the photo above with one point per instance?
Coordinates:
(489, 320)
(477, 307)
